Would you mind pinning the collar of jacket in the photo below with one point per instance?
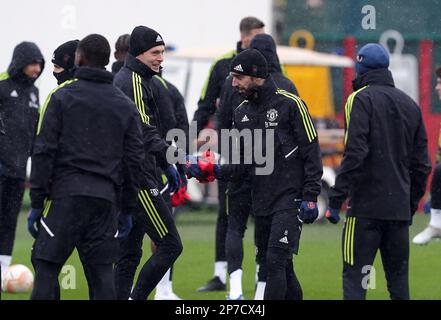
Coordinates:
(239, 48)
(264, 93)
(374, 77)
(140, 68)
(93, 74)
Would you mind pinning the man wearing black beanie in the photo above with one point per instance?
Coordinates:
(153, 217)
(207, 105)
(239, 192)
(296, 168)
(64, 61)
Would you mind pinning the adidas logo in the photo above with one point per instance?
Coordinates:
(245, 119)
(158, 38)
(284, 240)
(238, 68)
(14, 94)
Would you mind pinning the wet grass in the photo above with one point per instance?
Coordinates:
(318, 264)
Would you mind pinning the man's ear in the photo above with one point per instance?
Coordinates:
(258, 81)
(79, 58)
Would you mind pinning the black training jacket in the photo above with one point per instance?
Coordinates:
(386, 164)
(134, 79)
(174, 117)
(231, 98)
(297, 161)
(87, 130)
(19, 103)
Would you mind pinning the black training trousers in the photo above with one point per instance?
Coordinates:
(221, 223)
(88, 224)
(154, 219)
(278, 239)
(361, 240)
(11, 197)
(238, 210)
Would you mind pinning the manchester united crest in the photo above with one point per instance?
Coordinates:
(272, 114)
(154, 192)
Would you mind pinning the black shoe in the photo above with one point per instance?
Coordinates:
(214, 284)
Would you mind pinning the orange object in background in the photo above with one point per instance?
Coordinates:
(315, 88)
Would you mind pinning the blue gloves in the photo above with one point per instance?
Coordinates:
(308, 211)
(182, 169)
(427, 206)
(33, 219)
(125, 224)
(202, 168)
(332, 215)
(173, 178)
(193, 169)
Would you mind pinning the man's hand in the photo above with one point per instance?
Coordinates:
(193, 170)
(332, 215)
(201, 168)
(179, 197)
(173, 178)
(33, 219)
(308, 211)
(125, 224)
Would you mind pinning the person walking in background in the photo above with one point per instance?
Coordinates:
(383, 173)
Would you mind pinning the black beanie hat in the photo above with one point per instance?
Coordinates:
(143, 39)
(250, 62)
(64, 55)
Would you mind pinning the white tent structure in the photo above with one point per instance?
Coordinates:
(287, 55)
(188, 68)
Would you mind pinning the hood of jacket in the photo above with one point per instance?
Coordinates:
(24, 54)
(266, 45)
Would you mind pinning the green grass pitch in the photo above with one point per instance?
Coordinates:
(318, 265)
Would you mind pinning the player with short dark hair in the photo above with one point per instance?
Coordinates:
(87, 133)
(121, 50)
